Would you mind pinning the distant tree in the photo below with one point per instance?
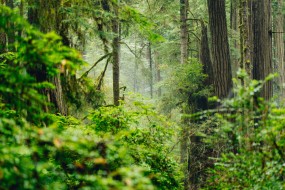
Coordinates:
(116, 53)
(220, 48)
(150, 61)
(184, 4)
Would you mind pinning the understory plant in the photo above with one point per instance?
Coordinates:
(112, 148)
(251, 131)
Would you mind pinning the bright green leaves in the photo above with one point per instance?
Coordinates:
(252, 133)
(25, 72)
(131, 16)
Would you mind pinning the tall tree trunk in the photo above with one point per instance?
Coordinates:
(234, 16)
(149, 57)
(245, 37)
(11, 35)
(279, 47)
(3, 37)
(205, 56)
(116, 55)
(3, 42)
(220, 48)
(158, 72)
(184, 40)
(184, 30)
(262, 42)
(37, 10)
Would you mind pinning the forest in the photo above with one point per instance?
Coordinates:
(142, 94)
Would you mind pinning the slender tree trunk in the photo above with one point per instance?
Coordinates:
(21, 8)
(11, 35)
(279, 47)
(184, 30)
(205, 56)
(184, 40)
(3, 38)
(234, 16)
(116, 56)
(158, 72)
(245, 37)
(149, 57)
(262, 42)
(220, 48)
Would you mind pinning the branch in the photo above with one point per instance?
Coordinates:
(101, 77)
(94, 65)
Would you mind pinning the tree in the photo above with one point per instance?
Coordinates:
(279, 45)
(220, 48)
(3, 39)
(150, 60)
(245, 36)
(116, 53)
(184, 4)
(37, 11)
(205, 55)
(262, 44)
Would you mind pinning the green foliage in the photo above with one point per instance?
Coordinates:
(117, 149)
(185, 85)
(253, 132)
(24, 73)
(147, 136)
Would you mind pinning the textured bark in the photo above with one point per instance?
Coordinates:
(116, 56)
(262, 41)
(205, 56)
(220, 48)
(245, 37)
(279, 47)
(184, 30)
(36, 12)
(183, 59)
(234, 16)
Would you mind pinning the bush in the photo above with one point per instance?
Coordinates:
(252, 132)
(40, 150)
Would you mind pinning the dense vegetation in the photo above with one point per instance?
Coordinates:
(103, 94)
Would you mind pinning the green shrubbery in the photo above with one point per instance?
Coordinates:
(251, 132)
(112, 148)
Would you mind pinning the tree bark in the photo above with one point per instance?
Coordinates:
(262, 43)
(234, 16)
(35, 12)
(220, 48)
(116, 55)
(149, 57)
(245, 37)
(184, 30)
(205, 56)
(279, 47)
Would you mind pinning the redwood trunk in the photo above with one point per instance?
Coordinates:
(220, 48)
(262, 41)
